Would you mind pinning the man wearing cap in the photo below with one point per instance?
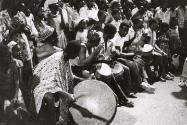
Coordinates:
(53, 81)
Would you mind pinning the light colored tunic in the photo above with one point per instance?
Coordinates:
(53, 74)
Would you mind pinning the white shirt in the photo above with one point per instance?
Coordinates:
(30, 23)
(82, 35)
(134, 11)
(65, 15)
(164, 16)
(87, 13)
(116, 24)
(181, 16)
(118, 41)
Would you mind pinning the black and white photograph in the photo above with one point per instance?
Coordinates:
(93, 62)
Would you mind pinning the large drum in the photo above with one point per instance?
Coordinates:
(95, 104)
(103, 72)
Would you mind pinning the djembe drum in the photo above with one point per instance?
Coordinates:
(117, 71)
(103, 73)
(95, 104)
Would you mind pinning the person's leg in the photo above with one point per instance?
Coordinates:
(183, 49)
(134, 72)
(159, 62)
(126, 83)
(25, 87)
(47, 114)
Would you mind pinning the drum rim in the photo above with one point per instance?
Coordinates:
(116, 98)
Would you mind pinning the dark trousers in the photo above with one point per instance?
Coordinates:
(25, 87)
(161, 64)
(134, 72)
(183, 52)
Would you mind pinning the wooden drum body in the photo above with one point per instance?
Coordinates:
(118, 71)
(95, 105)
(103, 73)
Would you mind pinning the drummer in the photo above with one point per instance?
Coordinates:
(120, 41)
(128, 65)
(87, 56)
(108, 34)
(52, 80)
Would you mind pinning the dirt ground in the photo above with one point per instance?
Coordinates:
(168, 106)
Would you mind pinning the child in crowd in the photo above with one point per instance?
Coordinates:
(82, 31)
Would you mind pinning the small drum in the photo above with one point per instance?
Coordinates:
(103, 72)
(95, 104)
(118, 71)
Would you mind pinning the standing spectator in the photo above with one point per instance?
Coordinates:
(82, 31)
(56, 20)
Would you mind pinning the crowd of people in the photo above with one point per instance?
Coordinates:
(47, 48)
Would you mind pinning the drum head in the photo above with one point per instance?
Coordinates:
(95, 105)
(104, 69)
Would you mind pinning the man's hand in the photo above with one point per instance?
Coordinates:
(99, 47)
(18, 62)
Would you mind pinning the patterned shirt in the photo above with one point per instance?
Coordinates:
(52, 74)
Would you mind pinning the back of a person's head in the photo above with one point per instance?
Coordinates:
(80, 25)
(110, 29)
(124, 23)
(73, 47)
(53, 7)
(93, 37)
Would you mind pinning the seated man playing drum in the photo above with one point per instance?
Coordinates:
(52, 81)
(108, 34)
(89, 52)
(121, 41)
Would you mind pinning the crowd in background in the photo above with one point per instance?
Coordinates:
(147, 38)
